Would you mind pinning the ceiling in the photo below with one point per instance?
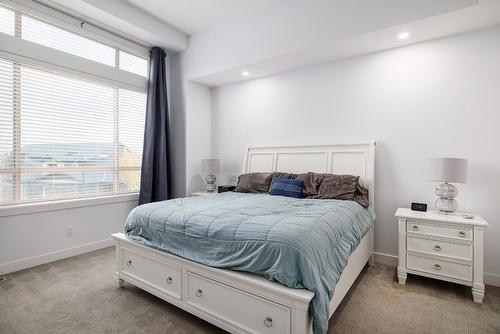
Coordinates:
(192, 16)
(220, 39)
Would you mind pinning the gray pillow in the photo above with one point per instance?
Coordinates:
(254, 183)
(341, 187)
(361, 196)
(312, 181)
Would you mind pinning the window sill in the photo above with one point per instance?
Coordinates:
(27, 208)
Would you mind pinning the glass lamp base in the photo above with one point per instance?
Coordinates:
(446, 205)
(446, 190)
(210, 180)
(446, 202)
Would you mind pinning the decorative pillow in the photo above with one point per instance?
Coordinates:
(311, 181)
(287, 187)
(254, 183)
(341, 187)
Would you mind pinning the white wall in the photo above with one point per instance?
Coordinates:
(439, 98)
(198, 126)
(31, 239)
(191, 128)
(177, 127)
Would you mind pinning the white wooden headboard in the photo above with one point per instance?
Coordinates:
(353, 159)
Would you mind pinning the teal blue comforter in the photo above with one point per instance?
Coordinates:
(301, 243)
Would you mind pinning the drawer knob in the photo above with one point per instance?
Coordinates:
(169, 280)
(437, 267)
(268, 321)
(414, 227)
(129, 263)
(462, 234)
(199, 293)
(437, 248)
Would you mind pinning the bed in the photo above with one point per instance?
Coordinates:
(158, 257)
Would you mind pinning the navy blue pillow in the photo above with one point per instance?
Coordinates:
(287, 187)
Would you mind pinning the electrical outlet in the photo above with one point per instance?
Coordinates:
(69, 231)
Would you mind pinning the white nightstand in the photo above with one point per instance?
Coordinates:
(445, 247)
(203, 193)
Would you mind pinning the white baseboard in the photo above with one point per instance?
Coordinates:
(492, 279)
(392, 260)
(9, 267)
(387, 259)
(29, 262)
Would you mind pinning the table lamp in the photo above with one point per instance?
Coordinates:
(447, 170)
(210, 167)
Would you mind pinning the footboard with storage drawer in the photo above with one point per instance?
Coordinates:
(235, 301)
(447, 247)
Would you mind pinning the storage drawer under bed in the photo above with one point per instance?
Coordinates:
(249, 312)
(162, 276)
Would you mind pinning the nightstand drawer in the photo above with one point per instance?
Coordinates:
(439, 267)
(441, 248)
(461, 233)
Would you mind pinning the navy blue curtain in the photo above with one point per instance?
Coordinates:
(155, 175)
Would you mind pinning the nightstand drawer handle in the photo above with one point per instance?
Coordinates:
(462, 234)
(437, 248)
(414, 227)
(129, 263)
(199, 293)
(268, 321)
(169, 280)
(437, 267)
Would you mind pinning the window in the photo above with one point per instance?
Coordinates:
(52, 36)
(66, 137)
(134, 64)
(60, 39)
(6, 21)
(65, 134)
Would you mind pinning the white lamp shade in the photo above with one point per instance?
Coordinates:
(448, 170)
(210, 166)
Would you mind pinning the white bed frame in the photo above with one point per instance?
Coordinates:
(242, 302)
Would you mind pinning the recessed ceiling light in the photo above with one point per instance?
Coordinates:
(245, 73)
(404, 35)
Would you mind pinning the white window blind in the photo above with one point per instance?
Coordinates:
(67, 130)
(6, 21)
(134, 64)
(64, 136)
(44, 33)
(54, 37)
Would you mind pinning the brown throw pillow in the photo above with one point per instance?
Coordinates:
(311, 181)
(281, 175)
(361, 196)
(254, 183)
(341, 187)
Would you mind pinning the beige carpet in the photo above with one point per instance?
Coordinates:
(77, 295)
